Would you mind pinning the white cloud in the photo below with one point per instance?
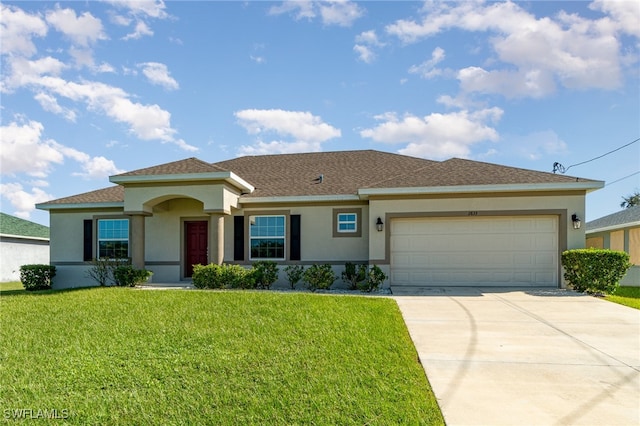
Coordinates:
(147, 8)
(534, 55)
(436, 135)
(19, 139)
(147, 122)
(535, 146)
(98, 168)
(50, 103)
(428, 69)
(331, 12)
(625, 14)
(141, 29)
(83, 30)
(365, 53)
(158, 74)
(307, 130)
(23, 202)
(339, 12)
(533, 83)
(366, 43)
(18, 28)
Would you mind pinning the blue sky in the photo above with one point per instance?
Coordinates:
(92, 89)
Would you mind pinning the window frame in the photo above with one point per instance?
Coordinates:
(114, 239)
(346, 221)
(251, 217)
(357, 211)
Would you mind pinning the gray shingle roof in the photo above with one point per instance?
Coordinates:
(620, 219)
(11, 225)
(187, 166)
(344, 172)
(112, 194)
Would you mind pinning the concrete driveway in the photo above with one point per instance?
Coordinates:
(527, 357)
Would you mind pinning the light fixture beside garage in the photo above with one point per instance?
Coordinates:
(379, 225)
(576, 221)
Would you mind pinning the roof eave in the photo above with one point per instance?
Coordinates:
(24, 237)
(228, 177)
(613, 227)
(500, 188)
(78, 206)
(299, 199)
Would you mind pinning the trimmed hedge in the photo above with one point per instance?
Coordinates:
(128, 276)
(222, 276)
(595, 270)
(37, 277)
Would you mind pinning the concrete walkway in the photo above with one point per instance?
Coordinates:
(527, 357)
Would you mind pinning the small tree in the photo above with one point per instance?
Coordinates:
(294, 274)
(354, 274)
(631, 200)
(265, 273)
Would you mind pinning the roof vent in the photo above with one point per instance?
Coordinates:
(319, 179)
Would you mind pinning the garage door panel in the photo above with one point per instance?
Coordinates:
(475, 251)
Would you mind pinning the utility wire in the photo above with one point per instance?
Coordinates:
(557, 167)
(623, 178)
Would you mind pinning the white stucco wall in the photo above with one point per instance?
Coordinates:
(15, 252)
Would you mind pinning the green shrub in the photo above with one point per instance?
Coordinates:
(595, 270)
(354, 275)
(37, 277)
(128, 276)
(222, 276)
(265, 273)
(374, 279)
(294, 274)
(235, 276)
(319, 277)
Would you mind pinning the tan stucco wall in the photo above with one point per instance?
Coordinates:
(482, 206)
(213, 197)
(317, 241)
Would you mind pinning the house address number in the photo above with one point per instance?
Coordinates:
(473, 213)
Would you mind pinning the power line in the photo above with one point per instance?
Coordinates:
(557, 167)
(623, 178)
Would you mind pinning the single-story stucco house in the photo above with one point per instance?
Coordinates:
(425, 223)
(619, 231)
(22, 242)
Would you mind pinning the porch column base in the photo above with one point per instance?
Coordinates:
(137, 241)
(216, 238)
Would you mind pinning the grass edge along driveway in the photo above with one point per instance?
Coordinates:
(119, 355)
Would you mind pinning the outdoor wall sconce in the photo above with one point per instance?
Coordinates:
(576, 221)
(379, 225)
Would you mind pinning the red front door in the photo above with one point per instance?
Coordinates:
(196, 237)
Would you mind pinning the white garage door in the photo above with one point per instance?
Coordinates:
(470, 251)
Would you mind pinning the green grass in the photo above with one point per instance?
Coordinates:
(12, 286)
(628, 296)
(123, 356)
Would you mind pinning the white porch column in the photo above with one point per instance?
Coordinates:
(137, 241)
(216, 238)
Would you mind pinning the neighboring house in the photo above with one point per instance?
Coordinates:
(21, 243)
(619, 231)
(426, 223)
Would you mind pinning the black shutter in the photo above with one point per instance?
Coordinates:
(88, 240)
(294, 253)
(238, 238)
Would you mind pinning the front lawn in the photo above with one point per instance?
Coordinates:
(127, 356)
(628, 296)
